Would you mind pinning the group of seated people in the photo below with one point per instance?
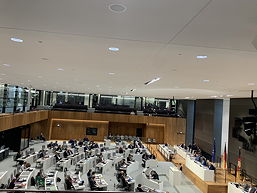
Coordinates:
(135, 144)
(151, 174)
(146, 157)
(198, 156)
(123, 180)
(38, 180)
(92, 180)
(249, 188)
(191, 148)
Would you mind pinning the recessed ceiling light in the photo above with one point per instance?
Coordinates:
(251, 84)
(201, 57)
(117, 8)
(16, 40)
(152, 81)
(214, 96)
(7, 65)
(60, 69)
(29, 80)
(111, 73)
(97, 86)
(206, 80)
(229, 95)
(187, 97)
(39, 76)
(114, 49)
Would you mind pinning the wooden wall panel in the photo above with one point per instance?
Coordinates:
(129, 129)
(39, 127)
(155, 131)
(76, 129)
(20, 119)
(180, 127)
(171, 125)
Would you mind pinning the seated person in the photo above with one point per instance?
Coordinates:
(252, 189)
(57, 157)
(119, 175)
(71, 141)
(93, 184)
(139, 188)
(68, 182)
(69, 152)
(129, 158)
(40, 180)
(100, 158)
(145, 156)
(12, 184)
(122, 163)
(41, 153)
(198, 157)
(89, 173)
(204, 163)
(55, 144)
(80, 143)
(65, 153)
(42, 137)
(50, 145)
(154, 175)
(152, 156)
(121, 150)
(85, 139)
(130, 146)
(138, 150)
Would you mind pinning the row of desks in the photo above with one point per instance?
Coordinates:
(196, 167)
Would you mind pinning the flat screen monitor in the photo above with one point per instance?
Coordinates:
(91, 131)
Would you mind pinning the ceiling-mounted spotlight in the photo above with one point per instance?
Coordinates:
(132, 90)
(152, 81)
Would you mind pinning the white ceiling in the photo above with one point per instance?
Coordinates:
(157, 38)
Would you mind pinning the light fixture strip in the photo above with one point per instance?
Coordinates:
(152, 81)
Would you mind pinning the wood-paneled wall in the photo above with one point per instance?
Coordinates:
(65, 129)
(39, 127)
(20, 119)
(155, 131)
(172, 126)
(129, 129)
(163, 129)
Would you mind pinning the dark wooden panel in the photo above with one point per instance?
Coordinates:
(39, 127)
(129, 129)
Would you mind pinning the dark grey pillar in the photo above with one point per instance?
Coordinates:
(217, 127)
(190, 129)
